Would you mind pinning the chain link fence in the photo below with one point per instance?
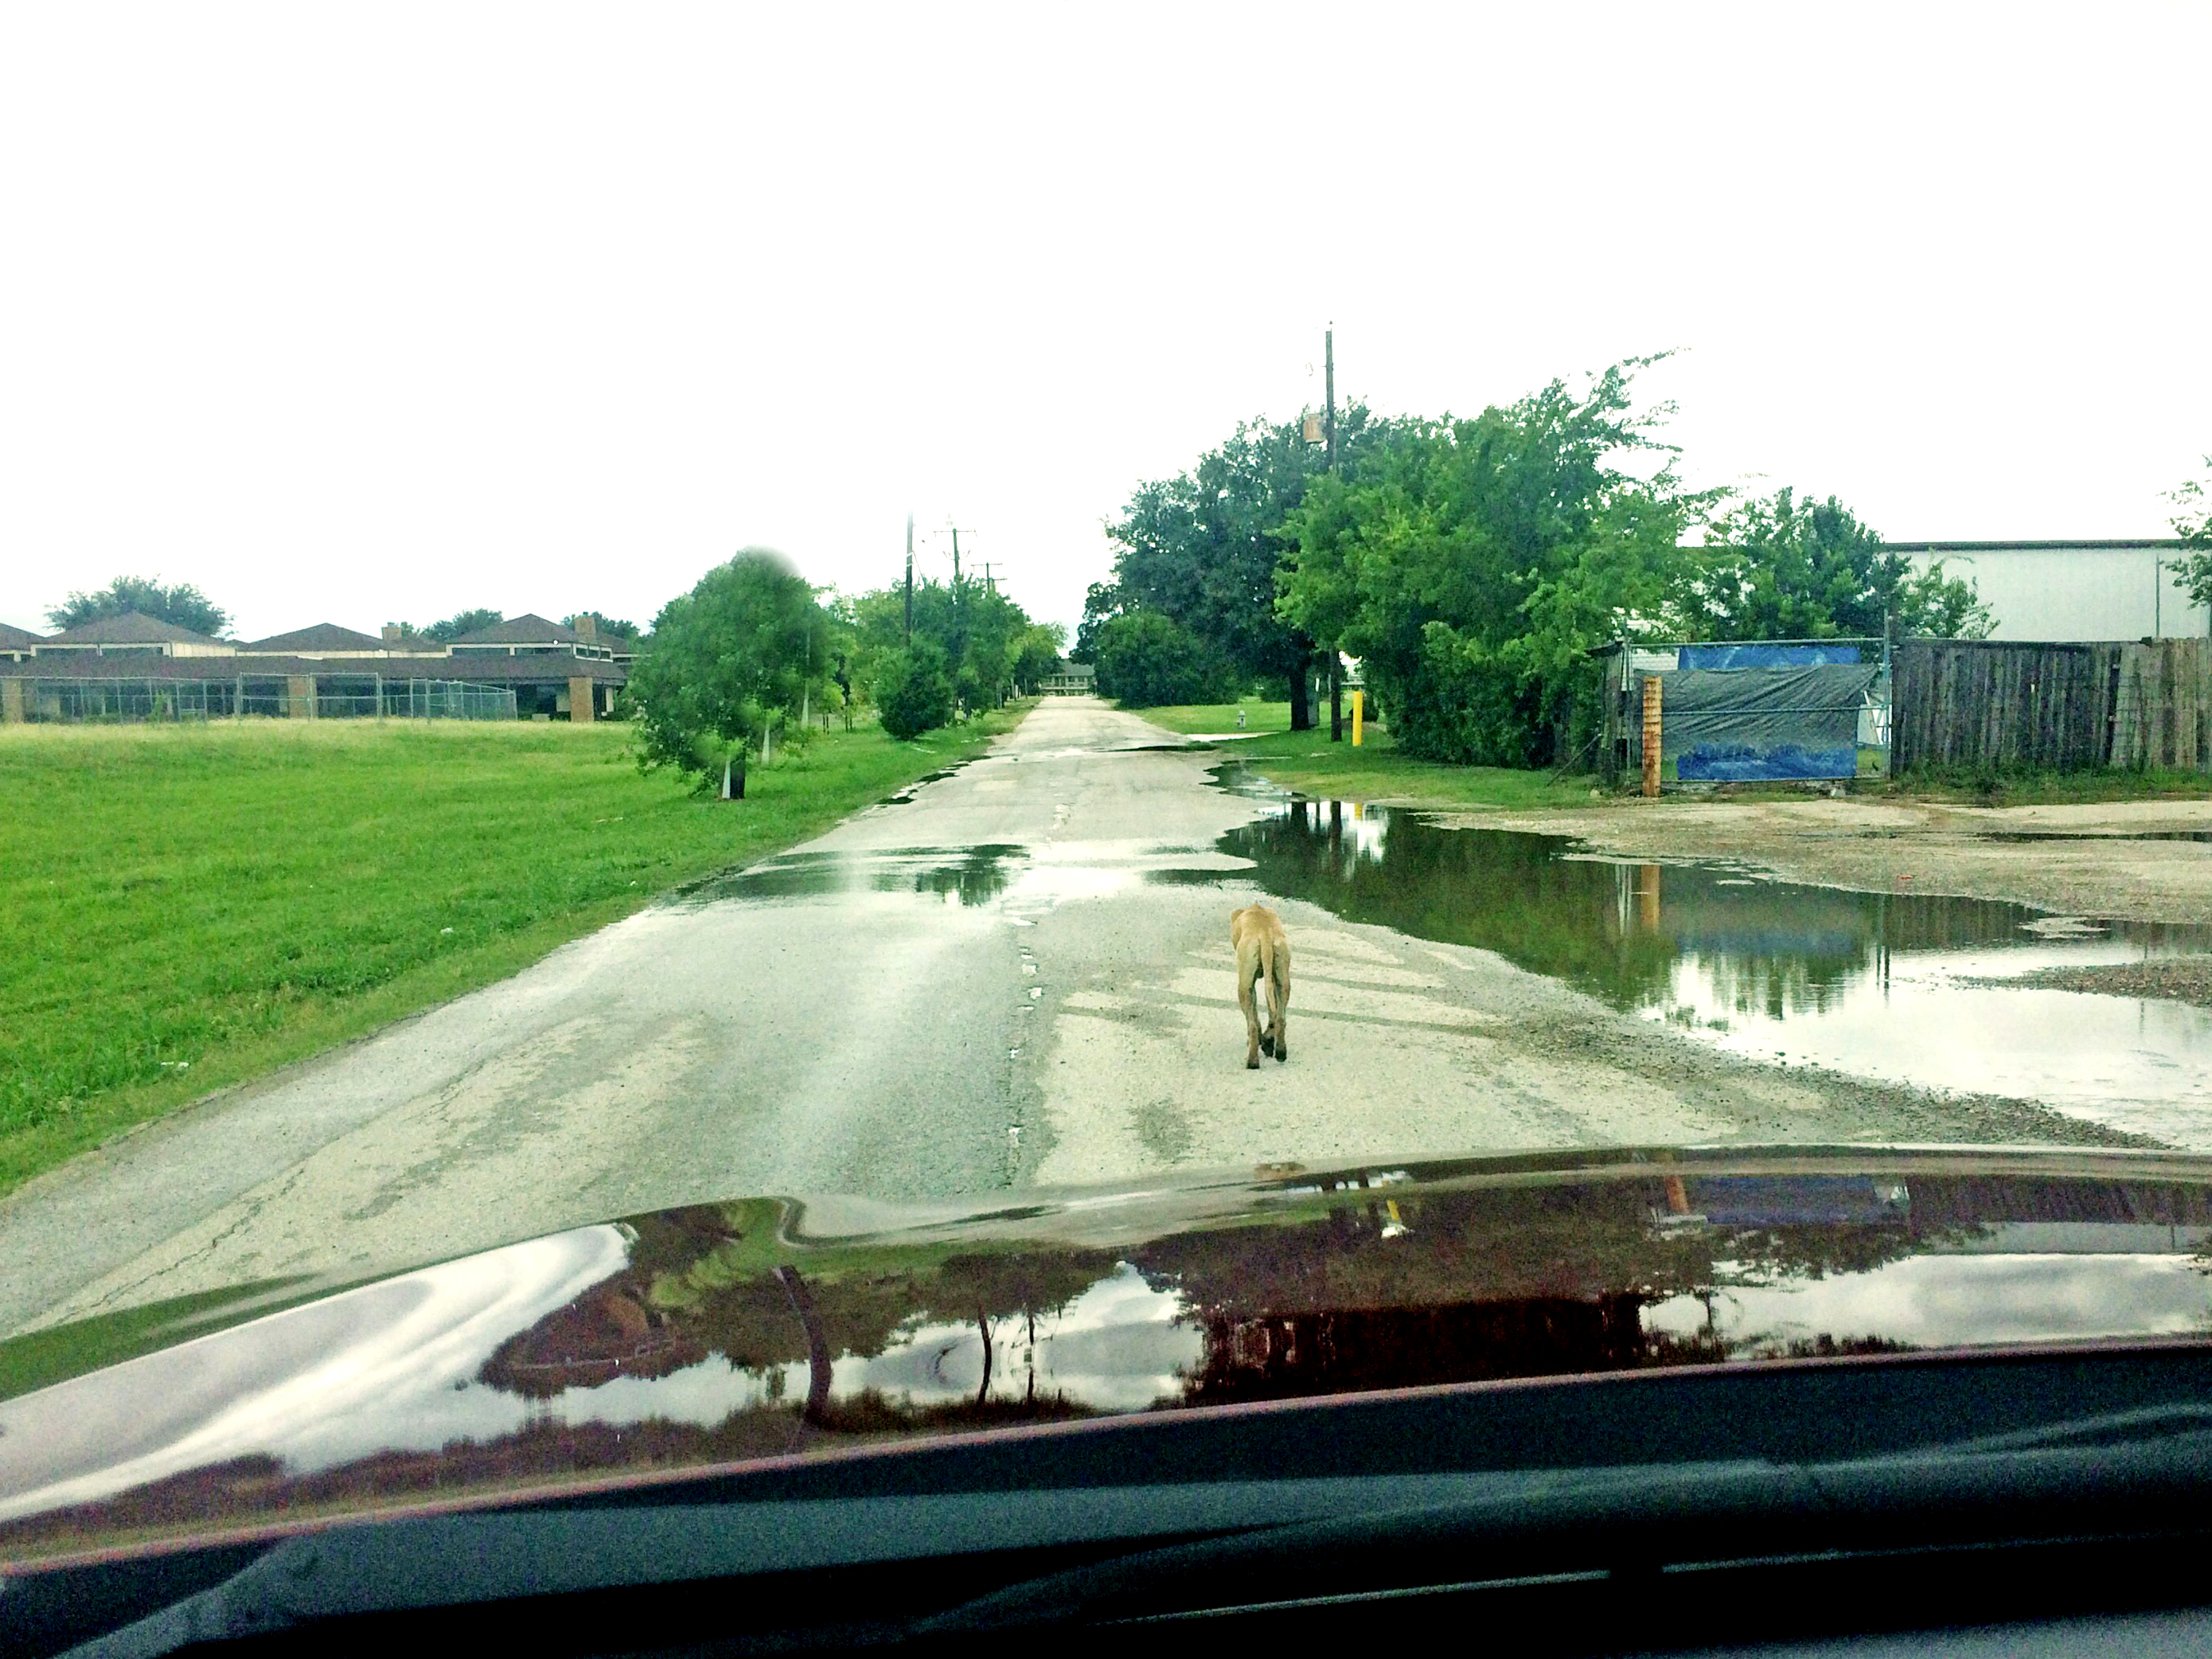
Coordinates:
(123, 700)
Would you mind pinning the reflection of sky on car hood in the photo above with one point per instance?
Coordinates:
(1957, 1301)
(1116, 1347)
(394, 1367)
(385, 1365)
(408, 1365)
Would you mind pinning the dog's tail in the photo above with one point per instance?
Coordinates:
(1267, 954)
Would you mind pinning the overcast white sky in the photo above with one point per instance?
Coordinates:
(353, 314)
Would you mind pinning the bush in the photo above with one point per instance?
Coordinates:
(1145, 660)
(913, 691)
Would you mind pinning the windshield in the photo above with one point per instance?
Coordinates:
(720, 728)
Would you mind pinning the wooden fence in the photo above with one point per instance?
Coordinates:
(2064, 708)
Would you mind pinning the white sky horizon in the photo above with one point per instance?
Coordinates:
(364, 314)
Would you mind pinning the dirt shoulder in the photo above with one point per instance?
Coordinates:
(2177, 979)
(2102, 860)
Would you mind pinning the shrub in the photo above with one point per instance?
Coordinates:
(1145, 660)
(913, 691)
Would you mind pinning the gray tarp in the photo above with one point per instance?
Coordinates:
(1727, 725)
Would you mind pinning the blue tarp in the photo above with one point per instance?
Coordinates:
(1724, 762)
(1794, 720)
(1766, 656)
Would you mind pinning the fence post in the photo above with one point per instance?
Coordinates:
(1650, 735)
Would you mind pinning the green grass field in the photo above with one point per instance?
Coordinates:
(1310, 764)
(183, 907)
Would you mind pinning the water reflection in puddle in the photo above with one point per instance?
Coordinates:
(975, 875)
(1885, 986)
(1012, 878)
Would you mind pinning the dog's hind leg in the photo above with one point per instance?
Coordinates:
(1278, 1001)
(1251, 1019)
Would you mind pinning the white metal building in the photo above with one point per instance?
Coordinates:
(2073, 591)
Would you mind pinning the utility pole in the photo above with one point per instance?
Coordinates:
(910, 579)
(956, 563)
(989, 585)
(1335, 662)
(1328, 384)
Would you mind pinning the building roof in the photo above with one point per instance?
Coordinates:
(528, 628)
(2082, 545)
(323, 636)
(11, 636)
(485, 670)
(130, 627)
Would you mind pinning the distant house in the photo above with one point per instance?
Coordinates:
(17, 643)
(133, 635)
(1069, 679)
(328, 640)
(531, 635)
(555, 672)
(2073, 592)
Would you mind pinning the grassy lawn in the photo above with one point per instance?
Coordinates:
(1222, 716)
(1310, 764)
(183, 907)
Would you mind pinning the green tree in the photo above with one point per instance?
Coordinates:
(732, 663)
(179, 603)
(2193, 524)
(1036, 655)
(1473, 564)
(1791, 567)
(981, 632)
(610, 628)
(913, 691)
(463, 622)
(1202, 548)
(1146, 659)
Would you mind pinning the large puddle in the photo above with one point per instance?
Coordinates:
(1890, 987)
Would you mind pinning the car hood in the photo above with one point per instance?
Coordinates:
(725, 1335)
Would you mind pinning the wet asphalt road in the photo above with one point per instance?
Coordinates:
(854, 1018)
(1020, 976)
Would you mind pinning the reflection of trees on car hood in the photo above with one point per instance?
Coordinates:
(731, 1332)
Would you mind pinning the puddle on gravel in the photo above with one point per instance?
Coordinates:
(1871, 984)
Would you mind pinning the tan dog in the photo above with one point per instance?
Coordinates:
(1262, 952)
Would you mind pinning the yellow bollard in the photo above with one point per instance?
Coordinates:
(1358, 702)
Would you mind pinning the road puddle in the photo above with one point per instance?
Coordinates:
(1020, 880)
(972, 875)
(1893, 986)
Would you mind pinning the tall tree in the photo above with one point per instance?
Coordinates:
(1787, 567)
(2193, 524)
(1146, 658)
(181, 604)
(978, 631)
(1202, 548)
(1037, 653)
(463, 622)
(1474, 563)
(733, 662)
